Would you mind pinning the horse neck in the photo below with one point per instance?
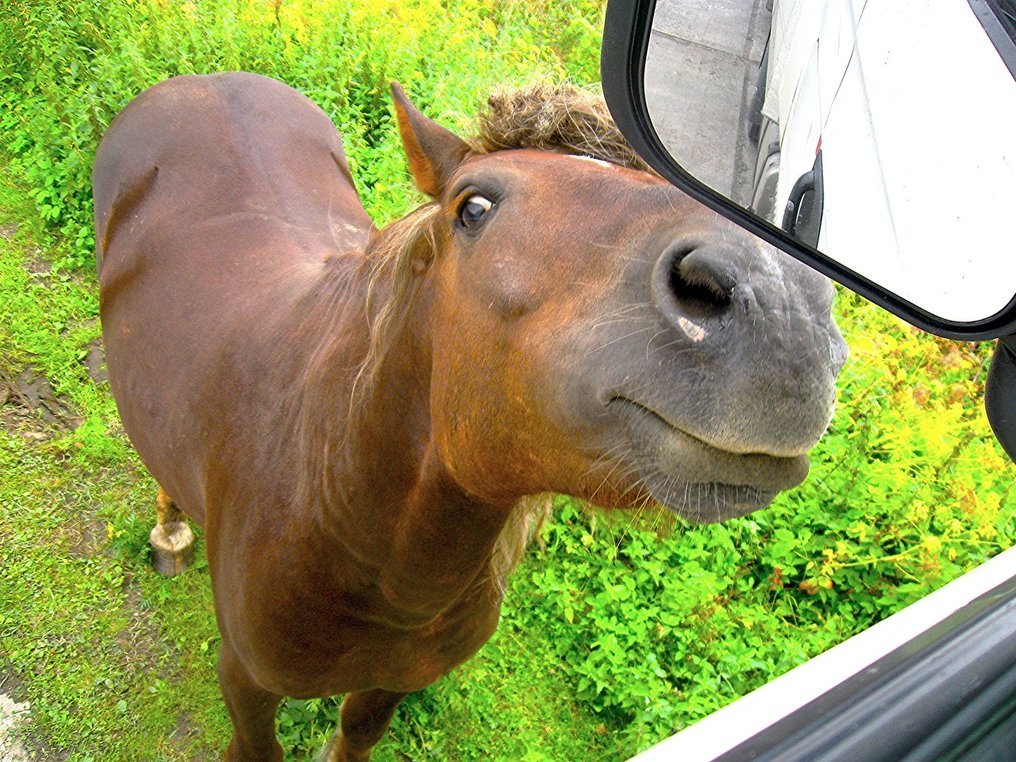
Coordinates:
(381, 492)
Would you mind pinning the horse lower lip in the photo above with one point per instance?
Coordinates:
(709, 502)
(673, 455)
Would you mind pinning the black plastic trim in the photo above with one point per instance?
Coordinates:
(804, 184)
(627, 28)
(924, 701)
(1000, 394)
(802, 217)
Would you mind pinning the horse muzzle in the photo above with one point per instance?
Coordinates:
(694, 479)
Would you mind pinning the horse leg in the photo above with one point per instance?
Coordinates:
(171, 539)
(252, 710)
(365, 718)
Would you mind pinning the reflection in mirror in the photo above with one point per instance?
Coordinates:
(841, 122)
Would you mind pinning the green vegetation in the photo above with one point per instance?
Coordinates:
(616, 634)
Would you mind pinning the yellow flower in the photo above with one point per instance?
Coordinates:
(932, 544)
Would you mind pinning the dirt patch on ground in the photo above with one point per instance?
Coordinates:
(12, 716)
(184, 734)
(29, 406)
(36, 262)
(141, 639)
(88, 537)
(17, 742)
(95, 363)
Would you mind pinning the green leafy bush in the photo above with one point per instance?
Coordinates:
(70, 66)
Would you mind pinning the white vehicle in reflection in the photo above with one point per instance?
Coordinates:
(862, 113)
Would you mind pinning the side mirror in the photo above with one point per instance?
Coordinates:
(872, 139)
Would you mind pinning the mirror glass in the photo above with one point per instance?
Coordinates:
(881, 132)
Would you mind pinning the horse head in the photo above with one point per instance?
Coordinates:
(594, 331)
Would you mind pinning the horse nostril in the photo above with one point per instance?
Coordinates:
(697, 279)
(698, 282)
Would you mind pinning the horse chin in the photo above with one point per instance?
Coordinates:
(696, 480)
(705, 502)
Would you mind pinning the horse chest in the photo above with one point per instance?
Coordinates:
(311, 631)
(335, 652)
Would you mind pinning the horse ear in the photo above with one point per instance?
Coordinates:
(433, 151)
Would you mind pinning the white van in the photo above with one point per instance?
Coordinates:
(865, 110)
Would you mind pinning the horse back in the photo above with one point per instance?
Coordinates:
(222, 202)
(203, 148)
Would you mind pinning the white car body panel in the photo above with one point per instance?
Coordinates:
(887, 97)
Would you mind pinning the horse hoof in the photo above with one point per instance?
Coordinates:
(172, 547)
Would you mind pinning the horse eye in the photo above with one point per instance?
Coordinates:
(472, 212)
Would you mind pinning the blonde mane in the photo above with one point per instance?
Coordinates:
(391, 282)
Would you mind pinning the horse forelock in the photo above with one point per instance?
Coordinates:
(559, 118)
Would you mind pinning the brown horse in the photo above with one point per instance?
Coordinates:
(355, 416)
